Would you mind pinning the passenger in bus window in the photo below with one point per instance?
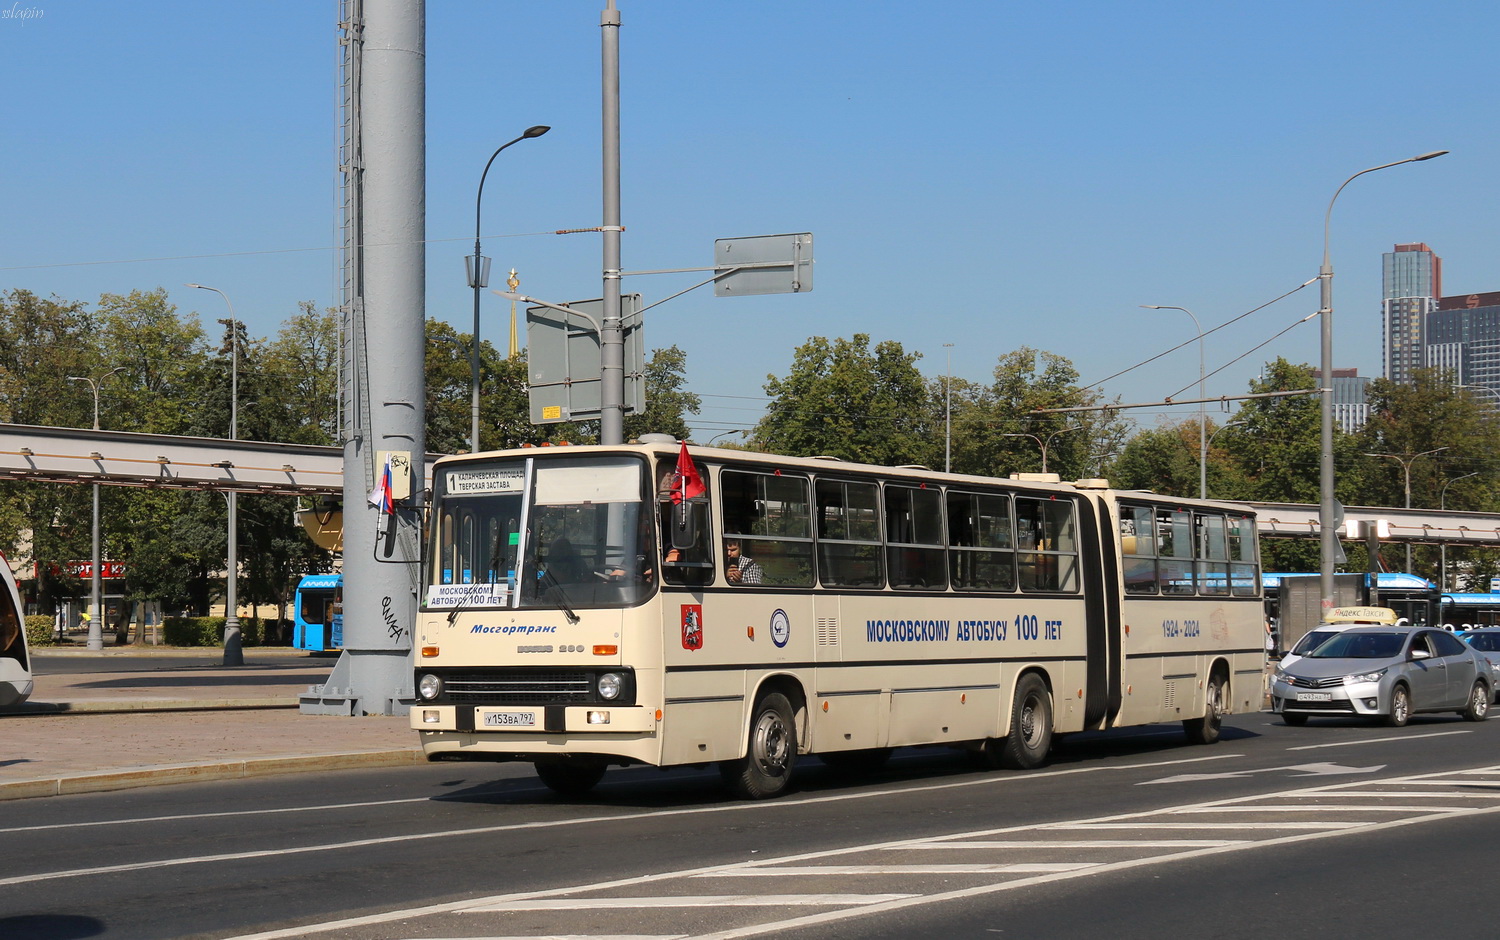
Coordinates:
(739, 568)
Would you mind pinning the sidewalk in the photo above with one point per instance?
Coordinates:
(132, 718)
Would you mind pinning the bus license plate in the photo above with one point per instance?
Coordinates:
(510, 719)
(1314, 696)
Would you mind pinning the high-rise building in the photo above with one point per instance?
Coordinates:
(1412, 270)
(1463, 338)
(1412, 280)
(1351, 408)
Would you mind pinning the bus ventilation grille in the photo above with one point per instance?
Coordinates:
(828, 631)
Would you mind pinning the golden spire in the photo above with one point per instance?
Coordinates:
(513, 282)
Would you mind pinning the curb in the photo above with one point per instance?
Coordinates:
(198, 773)
(116, 706)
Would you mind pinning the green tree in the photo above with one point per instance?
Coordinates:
(301, 368)
(1003, 428)
(667, 404)
(845, 400)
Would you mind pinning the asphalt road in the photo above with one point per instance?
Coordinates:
(1331, 829)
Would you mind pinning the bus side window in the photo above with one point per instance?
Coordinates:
(686, 554)
(769, 515)
(1138, 548)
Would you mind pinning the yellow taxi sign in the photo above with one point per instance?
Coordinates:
(1361, 615)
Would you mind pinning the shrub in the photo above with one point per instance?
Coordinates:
(40, 630)
(208, 631)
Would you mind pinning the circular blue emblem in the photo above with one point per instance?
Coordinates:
(781, 628)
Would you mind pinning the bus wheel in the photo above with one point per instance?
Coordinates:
(573, 776)
(766, 767)
(1030, 735)
(1205, 730)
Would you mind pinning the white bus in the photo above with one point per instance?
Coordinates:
(580, 611)
(15, 657)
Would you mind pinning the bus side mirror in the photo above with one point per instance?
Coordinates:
(689, 519)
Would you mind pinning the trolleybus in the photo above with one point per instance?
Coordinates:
(663, 605)
(317, 613)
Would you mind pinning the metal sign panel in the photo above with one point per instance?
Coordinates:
(764, 264)
(562, 359)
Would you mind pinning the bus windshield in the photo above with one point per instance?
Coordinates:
(555, 533)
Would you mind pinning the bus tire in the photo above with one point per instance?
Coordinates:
(1205, 730)
(573, 776)
(1030, 735)
(770, 754)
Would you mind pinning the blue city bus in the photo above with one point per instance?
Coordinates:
(318, 616)
(1410, 596)
(1462, 611)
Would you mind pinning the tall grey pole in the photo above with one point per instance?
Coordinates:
(95, 639)
(1328, 541)
(234, 653)
(479, 278)
(1202, 395)
(611, 335)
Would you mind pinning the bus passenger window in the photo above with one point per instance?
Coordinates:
(1174, 539)
(1213, 554)
(768, 515)
(1046, 528)
(981, 536)
(914, 538)
(1138, 549)
(849, 552)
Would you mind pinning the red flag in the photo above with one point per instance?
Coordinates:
(686, 483)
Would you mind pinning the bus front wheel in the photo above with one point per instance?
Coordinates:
(771, 752)
(573, 776)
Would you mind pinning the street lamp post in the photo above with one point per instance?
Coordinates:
(96, 629)
(1227, 424)
(1406, 460)
(948, 414)
(1202, 405)
(479, 277)
(234, 654)
(1041, 443)
(1443, 546)
(1328, 542)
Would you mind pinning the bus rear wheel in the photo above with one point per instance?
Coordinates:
(1205, 730)
(571, 776)
(1030, 735)
(770, 754)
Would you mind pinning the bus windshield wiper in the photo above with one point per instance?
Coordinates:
(555, 592)
(468, 601)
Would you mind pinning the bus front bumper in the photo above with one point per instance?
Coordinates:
(512, 721)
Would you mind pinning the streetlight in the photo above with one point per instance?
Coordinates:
(948, 414)
(1040, 443)
(1406, 460)
(234, 654)
(1443, 545)
(1328, 544)
(479, 277)
(1207, 446)
(1202, 408)
(96, 628)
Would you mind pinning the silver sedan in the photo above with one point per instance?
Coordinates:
(1385, 672)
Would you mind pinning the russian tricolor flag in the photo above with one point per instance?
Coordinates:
(380, 496)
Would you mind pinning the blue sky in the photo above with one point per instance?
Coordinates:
(986, 174)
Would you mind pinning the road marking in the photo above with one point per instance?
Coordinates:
(1306, 770)
(1395, 740)
(1074, 844)
(583, 820)
(1135, 821)
(1212, 825)
(816, 870)
(710, 900)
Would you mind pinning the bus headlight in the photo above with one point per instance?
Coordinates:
(610, 685)
(429, 686)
